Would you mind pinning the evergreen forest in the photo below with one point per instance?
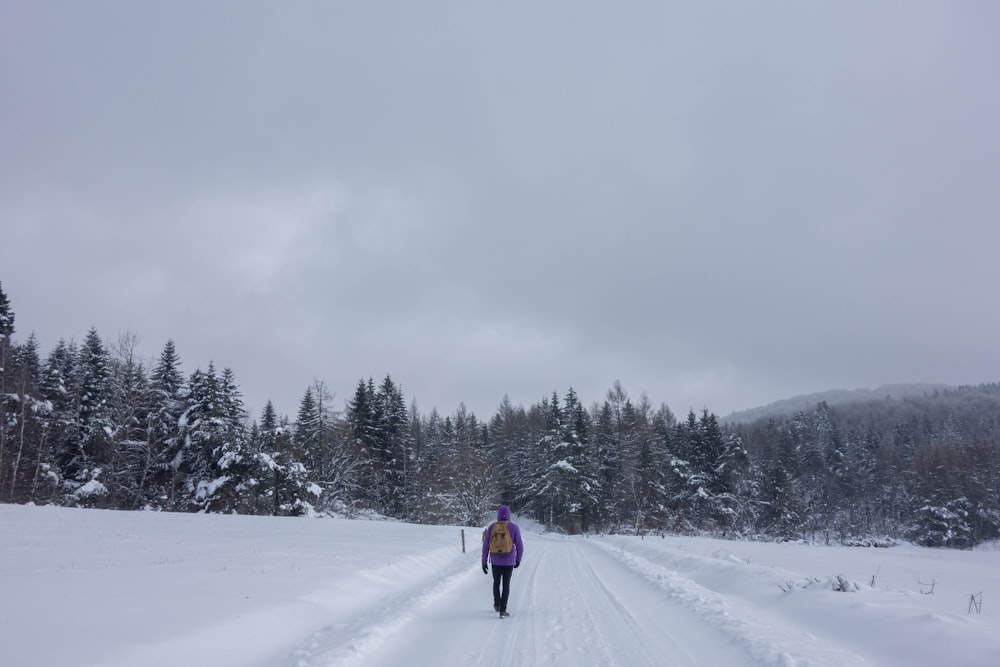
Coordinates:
(91, 424)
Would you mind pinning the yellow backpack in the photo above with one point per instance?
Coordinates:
(500, 542)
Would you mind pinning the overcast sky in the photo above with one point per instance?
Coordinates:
(718, 204)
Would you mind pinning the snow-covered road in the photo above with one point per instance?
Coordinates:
(86, 588)
(571, 604)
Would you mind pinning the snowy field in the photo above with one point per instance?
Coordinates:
(81, 587)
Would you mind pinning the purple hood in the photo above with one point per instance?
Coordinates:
(503, 514)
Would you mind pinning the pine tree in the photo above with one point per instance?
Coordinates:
(215, 456)
(6, 331)
(362, 423)
(166, 405)
(233, 457)
(92, 424)
(687, 478)
(609, 466)
(565, 488)
(583, 482)
(379, 427)
(60, 389)
(393, 447)
(543, 495)
(309, 429)
(661, 428)
(6, 316)
(273, 457)
(284, 480)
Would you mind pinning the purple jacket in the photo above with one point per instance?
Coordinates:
(514, 557)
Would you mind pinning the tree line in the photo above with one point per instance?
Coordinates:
(94, 425)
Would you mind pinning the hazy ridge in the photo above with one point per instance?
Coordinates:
(833, 397)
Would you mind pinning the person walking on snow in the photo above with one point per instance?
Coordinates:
(503, 547)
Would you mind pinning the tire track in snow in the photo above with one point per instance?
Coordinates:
(604, 630)
(348, 643)
(677, 650)
(624, 622)
(769, 645)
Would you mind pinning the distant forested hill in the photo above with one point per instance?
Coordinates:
(833, 397)
(924, 467)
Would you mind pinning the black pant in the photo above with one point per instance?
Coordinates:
(501, 574)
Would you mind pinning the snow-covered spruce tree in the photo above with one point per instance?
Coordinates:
(608, 460)
(215, 456)
(944, 524)
(235, 458)
(705, 464)
(658, 453)
(85, 485)
(281, 487)
(6, 376)
(394, 446)
(728, 479)
(380, 430)
(308, 430)
(6, 316)
(363, 426)
(202, 430)
(565, 486)
(739, 480)
(60, 389)
(167, 395)
(944, 479)
(583, 484)
(309, 447)
(543, 495)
